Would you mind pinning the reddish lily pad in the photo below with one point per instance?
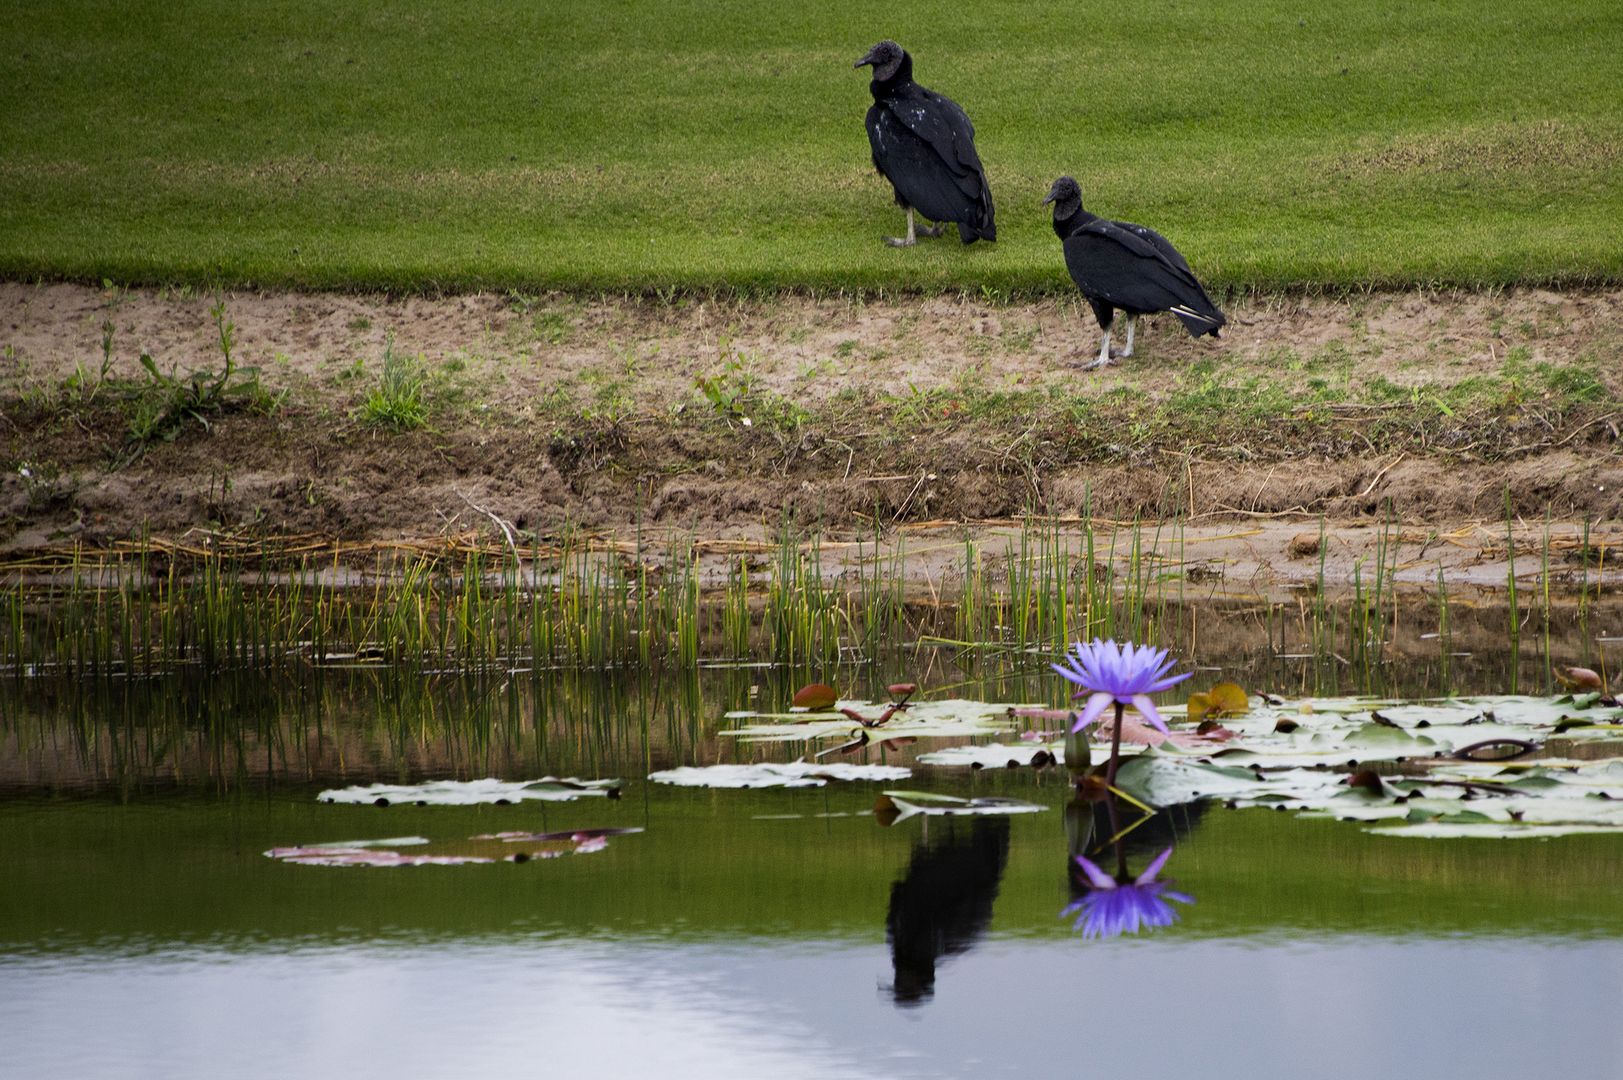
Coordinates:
(816, 697)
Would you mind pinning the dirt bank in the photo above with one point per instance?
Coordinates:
(721, 418)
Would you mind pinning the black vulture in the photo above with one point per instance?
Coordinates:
(925, 146)
(1117, 264)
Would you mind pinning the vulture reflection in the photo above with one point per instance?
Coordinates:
(943, 904)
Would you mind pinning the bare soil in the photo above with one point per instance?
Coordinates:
(720, 419)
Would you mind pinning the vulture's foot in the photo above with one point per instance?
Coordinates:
(1097, 362)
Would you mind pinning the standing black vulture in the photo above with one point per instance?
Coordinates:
(925, 146)
(1117, 264)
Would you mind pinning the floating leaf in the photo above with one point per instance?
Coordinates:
(894, 806)
(1229, 699)
(995, 755)
(1442, 830)
(794, 774)
(358, 856)
(923, 719)
(472, 792)
(575, 836)
(513, 847)
(816, 697)
(1581, 678)
(1224, 700)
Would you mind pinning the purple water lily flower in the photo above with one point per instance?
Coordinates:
(1127, 674)
(1112, 908)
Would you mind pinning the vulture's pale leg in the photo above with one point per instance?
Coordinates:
(912, 235)
(1104, 351)
(934, 230)
(1132, 323)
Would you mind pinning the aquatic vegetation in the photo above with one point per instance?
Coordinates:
(767, 774)
(483, 848)
(1112, 906)
(472, 792)
(996, 755)
(943, 719)
(1224, 699)
(369, 853)
(815, 697)
(1457, 767)
(894, 806)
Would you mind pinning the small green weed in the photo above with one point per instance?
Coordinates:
(82, 387)
(730, 390)
(1578, 382)
(162, 405)
(553, 327)
(397, 401)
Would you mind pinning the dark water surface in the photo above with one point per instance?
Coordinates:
(743, 933)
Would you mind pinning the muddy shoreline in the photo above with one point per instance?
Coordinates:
(724, 420)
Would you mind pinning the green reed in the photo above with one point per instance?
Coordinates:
(798, 602)
(1515, 627)
(1445, 635)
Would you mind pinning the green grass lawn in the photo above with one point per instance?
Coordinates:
(644, 145)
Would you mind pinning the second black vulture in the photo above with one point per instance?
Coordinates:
(1119, 265)
(924, 144)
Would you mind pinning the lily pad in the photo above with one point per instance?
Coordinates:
(795, 774)
(1223, 700)
(815, 697)
(920, 719)
(472, 792)
(894, 806)
(995, 755)
(484, 848)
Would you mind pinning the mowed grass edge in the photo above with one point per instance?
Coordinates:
(645, 146)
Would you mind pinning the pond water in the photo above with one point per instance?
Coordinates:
(739, 933)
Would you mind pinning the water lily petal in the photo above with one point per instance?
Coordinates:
(1146, 707)
(1121, 670)
(1097, 877)
(1155, 867)
(1096, 705)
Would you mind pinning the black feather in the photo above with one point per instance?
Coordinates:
(924, 144)
(1122, 266)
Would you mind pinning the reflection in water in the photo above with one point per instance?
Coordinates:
(942, 905)
(1112, 903)
(1112, 906)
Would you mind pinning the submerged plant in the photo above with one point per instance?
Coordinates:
(1112, 906)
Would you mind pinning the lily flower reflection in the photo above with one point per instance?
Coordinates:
(1110, 907)
(1124, 674)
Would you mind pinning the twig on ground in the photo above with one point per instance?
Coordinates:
(507, 530)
